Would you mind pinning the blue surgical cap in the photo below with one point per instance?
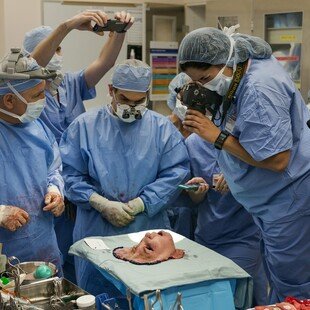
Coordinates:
(212, 46)
(19, 85)
(34, 37)
(177, 82)
(132, 75)
(26, 64)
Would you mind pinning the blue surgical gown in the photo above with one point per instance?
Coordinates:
(223, 225)
(120, 161)
(59, 114)
(183, 216)
(29, 163)
(270, 117)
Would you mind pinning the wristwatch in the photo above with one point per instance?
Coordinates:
(221, 139)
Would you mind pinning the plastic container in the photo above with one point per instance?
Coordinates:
(86, 302)
(132, 54)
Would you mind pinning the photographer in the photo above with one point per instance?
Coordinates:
(261, 130)
(44, 45)
(222, 224)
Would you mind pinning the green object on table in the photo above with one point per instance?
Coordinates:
(43, 272)
(5, 280)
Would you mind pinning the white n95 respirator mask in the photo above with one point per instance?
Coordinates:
(55, 63)
(180, 110)
(33, 109)
(220, 83)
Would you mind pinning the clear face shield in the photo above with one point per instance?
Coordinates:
(16, 67)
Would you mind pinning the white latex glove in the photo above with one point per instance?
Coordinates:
(12, 217)
(136, 206)
(117, 213)
(54, 201)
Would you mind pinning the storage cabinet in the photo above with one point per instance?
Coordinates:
(282, 23)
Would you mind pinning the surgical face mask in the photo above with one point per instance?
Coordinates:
(129, 114)
(180, 110)
(55, 63)
(220, 83)
(33, 110)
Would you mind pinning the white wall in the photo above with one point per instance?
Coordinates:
(16, 18)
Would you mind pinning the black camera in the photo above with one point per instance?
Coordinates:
(199, 98)
(111, 25)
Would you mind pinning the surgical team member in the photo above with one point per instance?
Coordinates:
(62, 109)
(173, 102)
(122, 166)
(263, 146)
(31, 185)
(223, 225)
(182, 212)
(44, 45)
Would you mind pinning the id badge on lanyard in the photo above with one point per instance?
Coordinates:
(231, 120)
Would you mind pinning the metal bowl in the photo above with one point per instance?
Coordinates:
(29, 268)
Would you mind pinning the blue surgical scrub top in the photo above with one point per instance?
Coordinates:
(122, 161)
(29, 163)
(270, 117)
(221, 219)
(59, 114)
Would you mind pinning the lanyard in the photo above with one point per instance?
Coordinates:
(230, 96)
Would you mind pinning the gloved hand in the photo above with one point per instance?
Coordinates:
(136, 206)
(12, 217)
(117, 213)
(54, 203)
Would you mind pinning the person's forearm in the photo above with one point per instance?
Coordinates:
(44, 52)
(276, 163)
(105, 61)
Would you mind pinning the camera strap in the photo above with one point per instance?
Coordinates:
(230, 96)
